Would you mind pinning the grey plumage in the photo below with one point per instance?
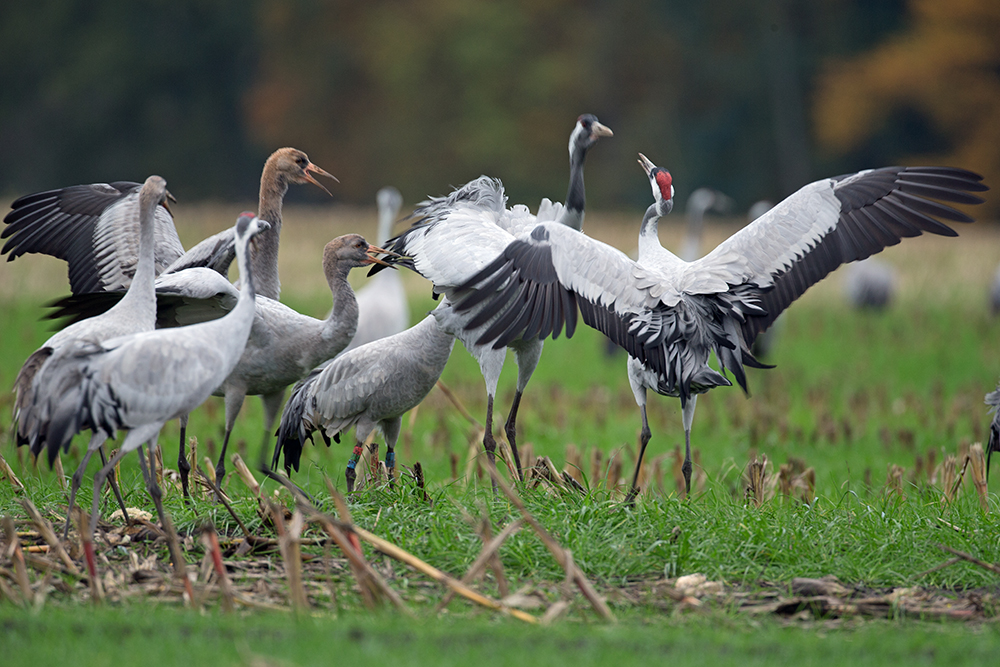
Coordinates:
(870, 284)
(140, 381)
(89, 227)
(670, 314)
(94, 228)
(284, 345)
(368, 387)
(186, 292)
(700, 202)
(134, 313)
(456, 236)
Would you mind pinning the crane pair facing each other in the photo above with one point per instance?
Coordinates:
(517, 285)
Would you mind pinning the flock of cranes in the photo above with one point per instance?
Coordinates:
(159, 329)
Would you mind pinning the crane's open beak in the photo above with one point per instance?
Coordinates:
(646, 164)
(322, 172)
(598, 130)
(166, 202)
(373, 250)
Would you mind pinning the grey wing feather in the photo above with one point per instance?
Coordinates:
(829, 223)
(217, 252)
(343, 389)
(94, 228)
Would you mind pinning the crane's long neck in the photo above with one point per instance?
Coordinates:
(649, 239)
(386, 216)
(265, 258)
(572, 215)
(343, 318)
(246, 305)
(141, 295)
(434, 344)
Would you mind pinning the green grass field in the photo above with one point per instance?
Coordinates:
(852, 394)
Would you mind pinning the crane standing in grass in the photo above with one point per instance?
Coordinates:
(134, 313)
(369, 387)
(141, 381)
(455, 236)
(670, 315)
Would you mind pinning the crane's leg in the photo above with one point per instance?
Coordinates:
(510, 428)
(687, 414)
(88, 538)
(644, 437)
(234, 401)
(183, 465)
(75, 485)
(350, 474)
(173, 542)
(391, 432)
(114, 485)
(636, 380)
(272, 408)
(526, 353)
(489, 443)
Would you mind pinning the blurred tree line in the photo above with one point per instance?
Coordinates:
(753, 97)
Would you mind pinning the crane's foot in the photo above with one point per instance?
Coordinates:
(686, 470)
(184, 468)
(350, 475)
(390, 468)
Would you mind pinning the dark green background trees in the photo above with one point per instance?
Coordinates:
(752, 97)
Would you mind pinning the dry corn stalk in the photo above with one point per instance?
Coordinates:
(557, 552)
(288, 543)
(527, 452)
(977, 462)
(9, 473)
(894, 479)
(949, 478)
(574, 463)
(596, 459)
(756, 479)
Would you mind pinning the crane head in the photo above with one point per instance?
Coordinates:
(661, 182)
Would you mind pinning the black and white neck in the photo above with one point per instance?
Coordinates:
(585, 134)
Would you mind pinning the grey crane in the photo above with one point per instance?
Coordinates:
(870, 284)
(369, 387)
(140, 381)
(382, 306)
(134, 313)
(455, 236)
(668, 314)
(700, 202)
(285, 345)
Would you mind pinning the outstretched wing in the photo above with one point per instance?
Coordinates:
(94, 228)
(537, 282)
(828, 223)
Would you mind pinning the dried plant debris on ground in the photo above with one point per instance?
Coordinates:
(253, 572)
